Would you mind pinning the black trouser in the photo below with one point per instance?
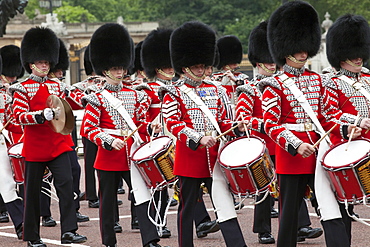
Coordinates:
(2, 205)
(45, 199)
(63, 183)
(292, 191)
(90, 150)
(108, 185)
(189, 194)
(76, 175)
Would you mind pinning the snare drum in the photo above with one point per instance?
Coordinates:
(155, 160)
(247, 165)
(17, 161)
(349, 171)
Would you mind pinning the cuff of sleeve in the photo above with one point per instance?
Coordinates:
(107, 146)
(293, 151)
(40, 119)
(193, 145)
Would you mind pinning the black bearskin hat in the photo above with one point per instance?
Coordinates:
(111, 46)
(12, 65)
(192, 43)
(137, 61)
(230, 49)
(294, 27)
(87, 64)
(39, 44)
(63, 62)
(1, 65)
(258, 49)
(348, 38)
(155, 52)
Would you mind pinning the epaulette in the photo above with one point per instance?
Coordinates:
(365, 70)
(269, 81)
(140, 95)
(247, 88)
(162, 90)
(79, 85)
(90, 98)
(327, 80)
(63, 86)
(142, 86)
(17, 87)
(93, 88)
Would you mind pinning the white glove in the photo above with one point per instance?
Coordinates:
(48, 114)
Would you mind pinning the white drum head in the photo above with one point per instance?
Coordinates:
(241, 152)
(149, 149)
(338, 156)
(16, 149)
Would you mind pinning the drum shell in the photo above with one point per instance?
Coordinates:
(250, 178)
(150, 168)
(351, 182)
(17, 162)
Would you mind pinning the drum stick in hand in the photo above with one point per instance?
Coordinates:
(132, 133)
(245, 126)
(221, 135)
(6, 124)
(352, 132)
(322, 138)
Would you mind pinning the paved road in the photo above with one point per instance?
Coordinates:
(130, 238)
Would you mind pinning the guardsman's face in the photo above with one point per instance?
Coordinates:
(197, 70)
(118, 72)
(353, 65)
(297, 60)
(209, 71)
(40, 68)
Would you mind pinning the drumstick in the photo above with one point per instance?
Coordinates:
(227, 131)
(6, 124)
(322, 138)
(132, 133)
(245, 127)
(352, 132)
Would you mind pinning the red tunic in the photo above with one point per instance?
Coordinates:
(188, 123)
(100, 115)
(228, 84)
(41, 143)
(349, 100)
(250, 105)
(280, 107)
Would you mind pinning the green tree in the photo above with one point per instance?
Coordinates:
(74, 14)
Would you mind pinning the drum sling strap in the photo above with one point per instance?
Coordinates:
(289, 83)
(117, 105)
(199, 102)
(356, 85)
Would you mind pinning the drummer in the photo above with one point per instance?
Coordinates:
(42, 146)
(13, 203)
(347, 57)
(289, 124)
(109, 129)
(190, 55)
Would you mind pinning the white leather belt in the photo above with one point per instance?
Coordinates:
(155, 106)
(116, 132)
(303, 127)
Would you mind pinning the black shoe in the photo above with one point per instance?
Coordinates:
(19, 231)
(48, 221)
(309, 232)
(207, 227)
(37, 243)
(111, 245)
(265, 238)
(119, 202)
(274, 213)
(174, 202)
(300, 239)
(94, 204)
(4, 218)
(117, 227)
(238, 205)
(355, 215)
(121, 191)
(153, 244)
(166, 233)
(135, 224)
(81, 217)
(72, 237)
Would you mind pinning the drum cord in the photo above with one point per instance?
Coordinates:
(50, 192)
(158, 222)
(353, 216)
(260, 201)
